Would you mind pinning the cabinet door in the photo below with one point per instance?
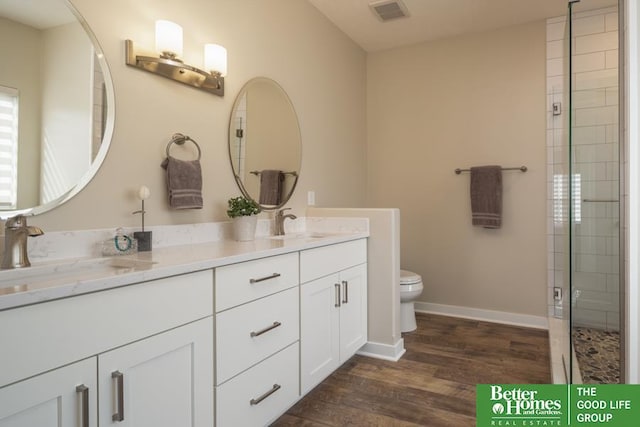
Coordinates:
(319, 330)
(163, 380)
(353, 310)
(56, 398)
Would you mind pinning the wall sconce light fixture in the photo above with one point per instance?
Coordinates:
(168, 63)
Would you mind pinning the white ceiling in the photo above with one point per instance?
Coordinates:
(437, 19)
(40, 14)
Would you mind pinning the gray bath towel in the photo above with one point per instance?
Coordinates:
(184, 183)
(271, 187)
(486, 196)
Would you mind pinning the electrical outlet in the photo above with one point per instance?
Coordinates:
(311, 198)
(557, 293)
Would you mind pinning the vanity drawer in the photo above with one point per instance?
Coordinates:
(247, 281)
(320, 262)
(273, 321)
(275, 380)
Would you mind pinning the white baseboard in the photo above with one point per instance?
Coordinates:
(383, 351)
(527, 320)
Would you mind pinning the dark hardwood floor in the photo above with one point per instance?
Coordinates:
(433, 384)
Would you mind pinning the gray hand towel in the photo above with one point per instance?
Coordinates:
(184, 183)
(486, 196)
(271, 187)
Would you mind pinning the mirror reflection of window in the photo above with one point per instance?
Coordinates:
(8, 147)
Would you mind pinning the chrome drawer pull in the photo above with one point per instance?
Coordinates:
(346, 292)
(267, 329)
(83, 391)
(119, 377)
(262, 279)
(337, 304)
(275, 388)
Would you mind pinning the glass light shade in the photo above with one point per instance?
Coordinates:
(169, 37)
(215, 58)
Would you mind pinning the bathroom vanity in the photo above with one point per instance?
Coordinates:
(222, 333)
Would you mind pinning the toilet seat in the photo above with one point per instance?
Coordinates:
(411, 289)
(409, 278)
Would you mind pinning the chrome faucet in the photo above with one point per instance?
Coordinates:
(16, 232)
(279, 222)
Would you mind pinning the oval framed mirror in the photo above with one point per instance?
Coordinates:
(56, 105)
(265, 146)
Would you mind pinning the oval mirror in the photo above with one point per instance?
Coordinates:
(264, 143)
(56, 105)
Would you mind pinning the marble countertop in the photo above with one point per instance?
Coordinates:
(65, 278)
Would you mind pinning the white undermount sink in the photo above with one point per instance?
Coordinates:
(21, 279)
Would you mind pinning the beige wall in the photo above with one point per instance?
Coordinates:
(286, 40)
(456, 103)
(427, 110)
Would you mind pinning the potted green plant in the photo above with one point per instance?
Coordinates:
(244, 213)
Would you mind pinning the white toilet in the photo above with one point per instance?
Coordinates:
(410, 289)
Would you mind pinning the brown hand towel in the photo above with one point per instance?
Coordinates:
(271, 187)
(184, 183)
(486, 196)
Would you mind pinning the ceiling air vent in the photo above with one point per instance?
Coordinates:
(386, 10)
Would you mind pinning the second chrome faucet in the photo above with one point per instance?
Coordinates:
(279, 221)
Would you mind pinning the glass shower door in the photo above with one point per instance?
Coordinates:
(594, 189)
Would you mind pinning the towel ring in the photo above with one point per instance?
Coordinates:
(180, 139)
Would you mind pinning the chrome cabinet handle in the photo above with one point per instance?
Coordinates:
(83, 391)
(119, 377)
(337, 286)
(267, 329)
(262, 279)
(346, 292)
(275, 388)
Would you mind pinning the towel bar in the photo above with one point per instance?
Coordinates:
(180, 139)
(286, 173)
(521, 168)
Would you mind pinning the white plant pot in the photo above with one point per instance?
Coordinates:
(244, 228)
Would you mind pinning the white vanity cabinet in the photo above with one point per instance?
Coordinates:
(158, 335)
(232, 346)
(333, 308)
(257, 335)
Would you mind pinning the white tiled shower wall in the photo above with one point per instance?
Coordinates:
(595, 154)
